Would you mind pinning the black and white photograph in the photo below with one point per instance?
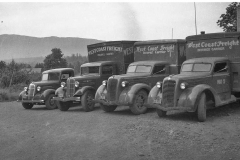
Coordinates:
(119, 80)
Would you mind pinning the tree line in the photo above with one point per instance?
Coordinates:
(13, 73)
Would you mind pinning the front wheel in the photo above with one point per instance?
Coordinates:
(201, 109)
(87, 101)
(161, 113)
(110, 108)
(50, 103)
(27, 105)
(63, 106)
(138, 103)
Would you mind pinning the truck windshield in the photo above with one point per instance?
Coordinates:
(50, 76)
(196, 67)
(90, 70)
(139, 69)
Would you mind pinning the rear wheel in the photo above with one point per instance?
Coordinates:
(110, 108)
(201, 109)
(63, 106)
(161, 113)
(138, 103)
(27, 105)
(87, 101)
(50, 103)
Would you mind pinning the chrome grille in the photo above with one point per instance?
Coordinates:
(168, 93)
(31, 91)
(112, 89)
(70, 87)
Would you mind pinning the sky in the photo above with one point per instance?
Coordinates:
(110, 21)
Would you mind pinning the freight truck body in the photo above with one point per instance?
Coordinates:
(154, 60)
(210, 77)
(105, 59)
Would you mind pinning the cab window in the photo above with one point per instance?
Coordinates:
(53, 76)
(220, 67)
(65, 76)
(159, 69)
(107, 69)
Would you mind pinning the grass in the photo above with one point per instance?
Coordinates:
(11, 93)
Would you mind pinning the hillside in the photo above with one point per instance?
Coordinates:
(18, 46)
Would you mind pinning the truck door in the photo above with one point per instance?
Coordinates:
(159, 72)
(221, 80)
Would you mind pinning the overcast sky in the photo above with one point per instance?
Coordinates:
(110, 21)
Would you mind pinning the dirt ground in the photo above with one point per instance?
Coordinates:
(51, 134)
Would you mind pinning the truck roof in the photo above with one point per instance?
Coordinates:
(213, 36)
(206, 60)
(148, 62)
(160, 41)
(58, 70)
(109, 43)
(99, 63)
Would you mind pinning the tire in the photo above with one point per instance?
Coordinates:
(63, 106)
(50, 103)
(139, 99)
(87, 101)
(108, 108)
(161, 113)
(201, 109)
(27, 105)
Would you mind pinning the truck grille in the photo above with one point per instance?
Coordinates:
(112, 89)
(70, 87)
(31, 91)
(168, 93)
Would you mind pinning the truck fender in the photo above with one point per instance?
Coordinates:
(59, 91)
(102, 89)
(153, 94)
(190, 96)
(46, 93)
(82, 90)
(127, 95)
(21, 95)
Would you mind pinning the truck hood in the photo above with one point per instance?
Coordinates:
(190, 75)
(131, 75)
(45, 83)
(86, 77)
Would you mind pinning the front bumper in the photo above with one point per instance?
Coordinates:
(40, 101)
(159, 106)
(105, 102)
(63, 99)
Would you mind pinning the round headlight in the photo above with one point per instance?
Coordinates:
(124, 83)
(183, 85)
(25, 88)
(104, 83)
(159, 84)
(63, 84)
(76, 83)
(38, 88)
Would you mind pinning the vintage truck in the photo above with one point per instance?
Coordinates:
(209, 77)
(154, 60)
(42, 92)
(105, 59)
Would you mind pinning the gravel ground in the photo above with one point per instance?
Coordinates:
(51, 134)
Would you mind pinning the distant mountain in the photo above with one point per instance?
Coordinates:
(18, 46)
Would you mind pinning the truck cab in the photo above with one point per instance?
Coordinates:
(105, 59)
(42, 92)
(131, 89)
(204, 82)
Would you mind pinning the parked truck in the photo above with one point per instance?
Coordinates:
(42, 92)
(154, 60)
(105, 59)
(209, 78)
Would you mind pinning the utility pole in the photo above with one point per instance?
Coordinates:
(195, 18)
